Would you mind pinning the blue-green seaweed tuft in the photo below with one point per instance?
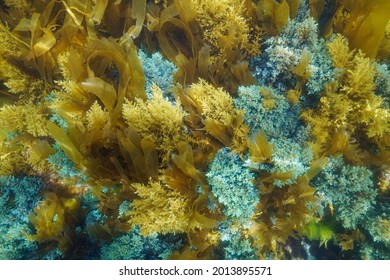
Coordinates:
(133, 246)
(349, 188)
(232, 184)
(159, 71)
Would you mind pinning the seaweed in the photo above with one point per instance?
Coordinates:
(194, 129)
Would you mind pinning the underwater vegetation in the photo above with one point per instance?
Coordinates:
(195, 129)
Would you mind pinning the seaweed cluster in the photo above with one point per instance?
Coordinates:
(195, 129)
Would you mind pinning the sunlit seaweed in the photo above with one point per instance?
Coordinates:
(273, 116)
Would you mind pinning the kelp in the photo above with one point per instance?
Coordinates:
(188, 179)
(363, 22)
(301, 71)
(283, 212)
(293, 6)
(140, 155)
(138, 12)
(91, 93)
(185, 162)
(98, 11)
(36, 41)
(173, 45)
(259, 149)
(347, 241)
(275, 14)
(65, 142)
(38, 153)
(101, 89)
(316, 8)
(183, 40)
(342, 143)
(131, 79)
(55, 220)
(384, 47)
(41, 39)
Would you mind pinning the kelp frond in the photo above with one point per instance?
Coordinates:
(55, 219)
(275, 14)
(259, 148)
(363, 22)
